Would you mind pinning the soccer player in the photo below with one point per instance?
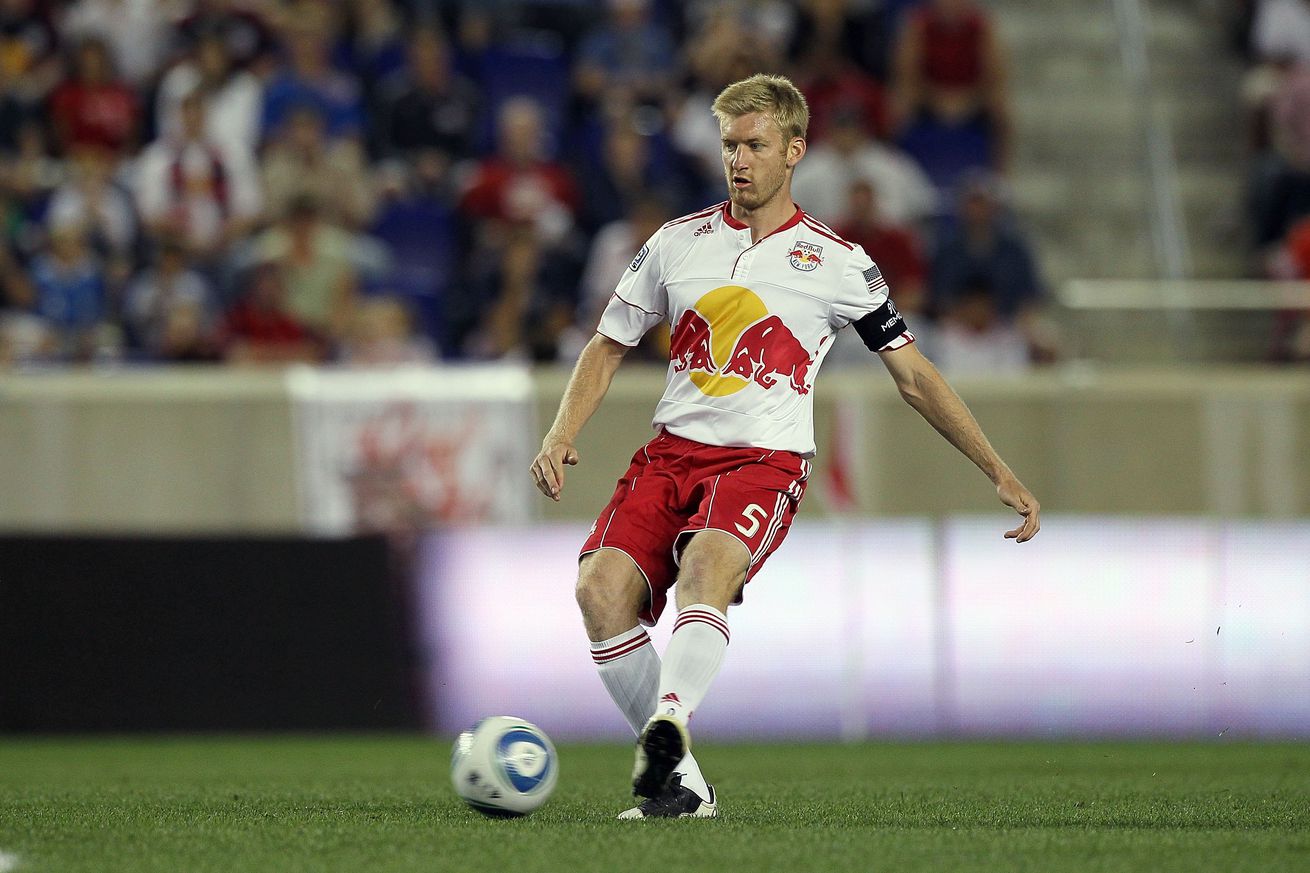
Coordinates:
(754, 290)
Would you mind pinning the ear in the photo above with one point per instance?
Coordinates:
(795, 151)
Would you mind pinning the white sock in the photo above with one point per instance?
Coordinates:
(692, 660)
(630, 670)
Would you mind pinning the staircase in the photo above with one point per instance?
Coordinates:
(1079, 175)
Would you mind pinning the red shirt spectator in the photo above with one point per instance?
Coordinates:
(515, 192)
(518, 186)
(896, 252)
(838, 87)
(1298, 250)
(954, 46)
(1291, 340)
(949, 61)
(894, 248)
(950, 69)
(260, 329)
(252, 323)
(92, 108)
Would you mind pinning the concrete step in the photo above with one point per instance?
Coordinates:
(1106, 190)
(1075, 117)
(1079, 178)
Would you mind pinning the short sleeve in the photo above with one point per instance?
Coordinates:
(640, 301)
(864, 300)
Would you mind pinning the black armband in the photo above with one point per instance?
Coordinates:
(881, 327)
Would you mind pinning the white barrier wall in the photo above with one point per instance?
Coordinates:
(412, 447)
(217, 450)
(1100, 626)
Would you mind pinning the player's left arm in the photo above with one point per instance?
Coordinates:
(924, 389)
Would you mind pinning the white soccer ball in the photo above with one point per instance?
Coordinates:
(504, 766)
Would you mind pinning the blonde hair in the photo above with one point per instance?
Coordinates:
(775, 96)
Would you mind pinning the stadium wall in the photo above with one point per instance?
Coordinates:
(156, 573)
(180, 451)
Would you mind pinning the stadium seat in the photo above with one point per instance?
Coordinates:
(421, 237)
(529, 66)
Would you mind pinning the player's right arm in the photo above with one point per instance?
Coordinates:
(639, 303)
(587, 386)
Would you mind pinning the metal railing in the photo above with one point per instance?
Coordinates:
(1190, 295)
(1168, 228)
(1172, 321)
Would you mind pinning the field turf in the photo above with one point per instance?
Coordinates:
(239, 805)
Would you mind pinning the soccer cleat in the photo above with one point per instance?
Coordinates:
(663, 743)
(676, 802)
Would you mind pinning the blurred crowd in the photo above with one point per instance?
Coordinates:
(388, 181)
(1274, 37)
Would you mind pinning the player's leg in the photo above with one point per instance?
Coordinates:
(713, 569)
(714, 566)
(624, 574)
(745, 513)
(611, 593)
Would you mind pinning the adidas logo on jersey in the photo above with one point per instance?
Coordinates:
(704, 229)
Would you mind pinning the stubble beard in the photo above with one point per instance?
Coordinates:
(758, 197)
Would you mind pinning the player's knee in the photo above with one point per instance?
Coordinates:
(605, 591)
(713, 570)
(717, 590)
(704, 582)
(588, 592)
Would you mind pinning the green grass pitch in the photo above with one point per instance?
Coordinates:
(242, 805)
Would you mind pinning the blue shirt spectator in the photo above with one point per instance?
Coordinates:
(984, 250)
(335, 97)
(309, 80)
(69, 283)
(629, 166)
(629, 52)
(427, 106)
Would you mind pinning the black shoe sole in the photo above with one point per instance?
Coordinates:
(662, 743)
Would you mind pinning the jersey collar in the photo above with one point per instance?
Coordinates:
(737, 225)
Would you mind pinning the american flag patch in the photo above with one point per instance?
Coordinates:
(873, 280)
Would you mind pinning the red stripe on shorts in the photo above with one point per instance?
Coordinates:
(775, 524)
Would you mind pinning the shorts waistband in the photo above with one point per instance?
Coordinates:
(672, 439)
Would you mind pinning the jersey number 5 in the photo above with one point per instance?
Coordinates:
(749, 514)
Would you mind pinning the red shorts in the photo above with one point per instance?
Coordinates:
(676, 487)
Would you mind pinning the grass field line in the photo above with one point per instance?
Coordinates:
(8, 861)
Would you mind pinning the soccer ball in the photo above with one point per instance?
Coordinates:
(504, 767)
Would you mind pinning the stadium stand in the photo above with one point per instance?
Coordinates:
(389, 117)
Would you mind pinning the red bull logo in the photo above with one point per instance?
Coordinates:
(689, 346)
(729, 340)
(805, 256)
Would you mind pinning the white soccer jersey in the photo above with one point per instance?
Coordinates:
(751, 322)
